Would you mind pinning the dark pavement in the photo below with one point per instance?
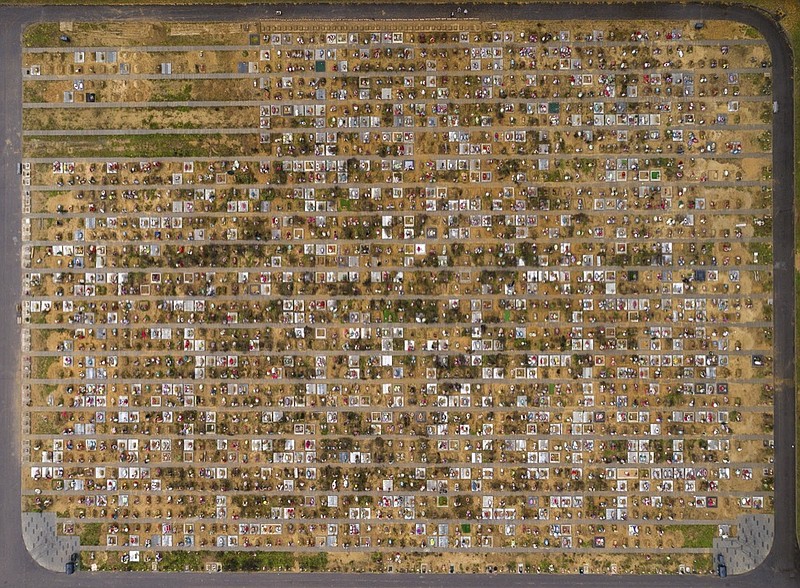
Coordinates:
(17, 568)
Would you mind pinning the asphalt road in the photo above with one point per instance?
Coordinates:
(17, 568)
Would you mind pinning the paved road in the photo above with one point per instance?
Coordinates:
(782, 566)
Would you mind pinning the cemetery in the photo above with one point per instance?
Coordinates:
(401, 296)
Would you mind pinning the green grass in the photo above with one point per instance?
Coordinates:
(46, 390)
(313, 563)
(43, 34)
(43, 365)
(764, 251)
(695, 536)
(90, 534)
(182, 95)
(751, 33)
(244, 561)
(32, 92)
(152, 145)
(178, 561)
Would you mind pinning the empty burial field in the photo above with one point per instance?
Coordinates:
(399, 296)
